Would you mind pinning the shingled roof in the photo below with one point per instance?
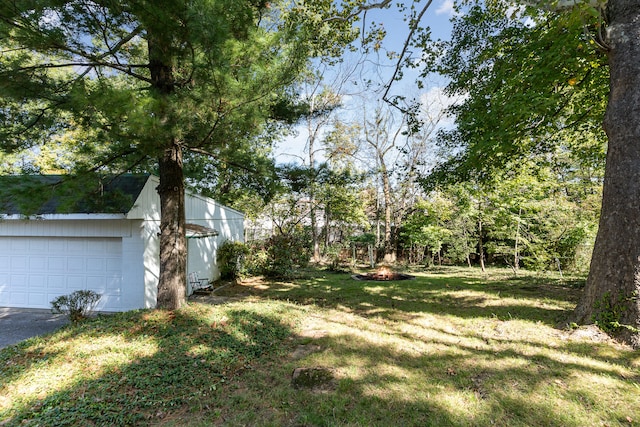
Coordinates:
(62, 194)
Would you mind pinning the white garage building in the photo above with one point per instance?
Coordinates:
(110, 245)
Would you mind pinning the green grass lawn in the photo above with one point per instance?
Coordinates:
(451, 347)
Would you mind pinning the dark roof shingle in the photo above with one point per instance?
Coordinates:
(62, 194)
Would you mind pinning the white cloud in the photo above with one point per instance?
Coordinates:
(434, 103)
(446, 8)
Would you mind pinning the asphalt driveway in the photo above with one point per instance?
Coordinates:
(17, 324)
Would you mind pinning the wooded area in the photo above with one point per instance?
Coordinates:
(505, 165)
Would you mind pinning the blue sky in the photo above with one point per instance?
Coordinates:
(437, 18)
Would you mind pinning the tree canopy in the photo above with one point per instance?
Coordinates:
(148, 85)
(531, 82)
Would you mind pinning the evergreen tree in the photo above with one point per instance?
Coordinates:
(152, 83)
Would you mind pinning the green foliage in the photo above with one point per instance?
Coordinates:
(540, 218)
(231, 259)
(158, 362)
(84, 90)
(333, 254)
(281, 255)
(78, 305)
(152, 86)
(286, 253)
(609, 312)
(531, 82)
(363, 239)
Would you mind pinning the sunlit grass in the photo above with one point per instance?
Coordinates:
(451, 347)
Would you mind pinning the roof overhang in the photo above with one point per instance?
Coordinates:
(73, 216)
(195, 231)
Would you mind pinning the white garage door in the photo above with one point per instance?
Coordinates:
(35, 270)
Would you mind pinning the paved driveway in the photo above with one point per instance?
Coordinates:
(17, 324)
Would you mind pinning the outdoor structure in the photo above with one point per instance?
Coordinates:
(106, 241)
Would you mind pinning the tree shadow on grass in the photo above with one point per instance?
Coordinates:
(187, 357)
(443, 384)
(520, 298)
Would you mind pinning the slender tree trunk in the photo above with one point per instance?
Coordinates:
(327, 228)
(389, 252)
(480, 244)
(611, 292)
(172, 283)
(312, 189)
(516, 253)
(314, 229)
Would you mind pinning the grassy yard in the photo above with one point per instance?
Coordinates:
(452, 347)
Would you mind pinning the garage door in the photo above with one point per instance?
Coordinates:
(35, 270)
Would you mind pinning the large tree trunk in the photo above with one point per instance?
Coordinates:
(173, 242)
(172, 283)
(611, 292)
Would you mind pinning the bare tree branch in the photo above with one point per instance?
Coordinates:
(358, 11)
(412, 29)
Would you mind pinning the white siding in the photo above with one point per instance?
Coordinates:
(42, 259)
(147, 205)
(228, 222)
(202, 251)
(36, 270)
(65, 228)
(137, 256)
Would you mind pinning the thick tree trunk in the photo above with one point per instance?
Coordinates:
(173, 242)
(611, 292)
(172, 283)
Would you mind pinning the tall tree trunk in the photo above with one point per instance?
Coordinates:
(315, 238)
(516, 251)
(327, 227)
(611, 292)
(173, 242)
(480, 244)
(389, 252)
(172, 283)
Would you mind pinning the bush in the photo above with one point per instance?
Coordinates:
(256, 260)
(231, 259)
(280, 255)
(77, 305)
(333, 254)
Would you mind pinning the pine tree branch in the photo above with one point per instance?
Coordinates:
(214, 156)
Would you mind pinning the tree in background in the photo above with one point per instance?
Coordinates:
(382, 134)
(531, 83)
(322, 100)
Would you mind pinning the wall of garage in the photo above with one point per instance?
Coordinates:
(42, 259)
